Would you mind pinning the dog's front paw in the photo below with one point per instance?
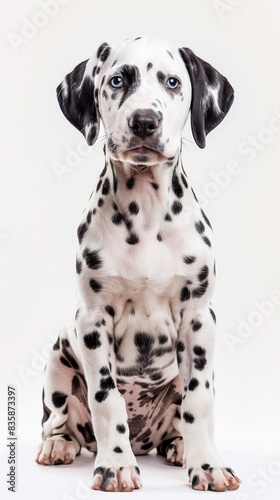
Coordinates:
(116, 478)
(213, 478)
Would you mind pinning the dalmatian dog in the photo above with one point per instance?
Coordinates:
(133, 371)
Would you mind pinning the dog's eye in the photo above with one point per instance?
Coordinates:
(116, 82)
(172, 83)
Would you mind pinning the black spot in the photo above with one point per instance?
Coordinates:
(130, 183)
(132, 239)
(194, 383)
(168, 217)
(92, 340)
(161, 77)
(95, 285)
(190, 471)
(65, 411)
(104, 52)
(107, 383)
(117, 218)
(58, 398)
(199, 363)
(100, 202)
(147, 446)
(87, 432)
(104, 169)
(133, 208)
(149, 66)
(159, 237)
(176, 207)
(189, 259)
(100, 322)
(98, 185)
(106, 187)
(176, 186)
(121, 428)
(104, 370)
(129, 224)
(70, 360)
(203, 273)
(99, 470)
(155, 186)
(65, 362)
(137, 470)
(185, 294)
(199, 291)
(56, 346)
(199, 351)
(196, 325)
(228, 469)
(205, 466)
(162, 339)
(143, 342)
(110, 310)
(188, 417)
(207, 385)
(101, 396)
(206, 240)
(180, 346)
(184, 181)
(117, 449)
(82, 229)
(92, 259)
(89, 217)
(78, 266)
(199, 226)
(66, 437)
(132, 81)
(195, 481)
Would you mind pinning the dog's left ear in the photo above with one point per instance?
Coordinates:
(212, 96)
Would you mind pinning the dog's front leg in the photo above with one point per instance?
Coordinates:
(195, 358)
(115, 466)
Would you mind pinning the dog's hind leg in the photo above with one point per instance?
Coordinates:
(66, 421)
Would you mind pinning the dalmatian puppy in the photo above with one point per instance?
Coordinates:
(133, 371)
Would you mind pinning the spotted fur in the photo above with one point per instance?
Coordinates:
(133, 371)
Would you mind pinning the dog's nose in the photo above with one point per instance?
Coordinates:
(144, 122)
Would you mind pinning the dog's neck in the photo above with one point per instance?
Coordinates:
(148, 185)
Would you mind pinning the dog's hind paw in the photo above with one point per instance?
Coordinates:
(57, 450)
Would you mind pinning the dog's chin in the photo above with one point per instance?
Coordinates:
(141, 158)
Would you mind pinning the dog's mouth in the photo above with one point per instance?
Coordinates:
(139, 153)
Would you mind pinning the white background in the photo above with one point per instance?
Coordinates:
(48, 174)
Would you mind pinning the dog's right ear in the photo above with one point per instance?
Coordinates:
(77, 97)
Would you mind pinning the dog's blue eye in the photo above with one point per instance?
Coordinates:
(172, 83)
(116, 82)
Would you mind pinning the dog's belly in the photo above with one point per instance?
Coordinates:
(151, 411)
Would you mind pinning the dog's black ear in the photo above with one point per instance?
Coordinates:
(212, 96)
(77, 97)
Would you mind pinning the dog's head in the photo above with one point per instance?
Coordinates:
(143, 90)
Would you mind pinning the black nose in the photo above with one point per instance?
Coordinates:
(144, 122)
